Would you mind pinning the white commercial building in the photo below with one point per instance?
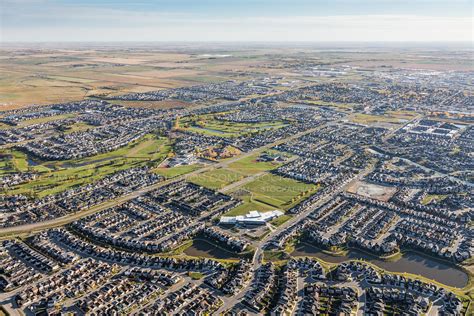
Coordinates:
(252, 218)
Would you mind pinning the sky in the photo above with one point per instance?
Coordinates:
(236, 20)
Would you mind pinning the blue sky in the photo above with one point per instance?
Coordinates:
(236, 20)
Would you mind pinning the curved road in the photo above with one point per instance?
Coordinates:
(34, 227)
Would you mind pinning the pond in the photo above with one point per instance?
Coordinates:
(32, 162)
(203, 248)
(410, 262)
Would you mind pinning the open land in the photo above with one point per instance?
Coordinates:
(256, 180)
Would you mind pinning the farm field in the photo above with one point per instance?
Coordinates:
(45, 77)
(249, 121)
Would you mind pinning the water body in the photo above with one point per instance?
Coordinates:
(202, 248)
(32, 162)
(410, 262)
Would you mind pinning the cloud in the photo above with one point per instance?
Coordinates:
(47, 21)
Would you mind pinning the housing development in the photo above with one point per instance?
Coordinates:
(236, 181)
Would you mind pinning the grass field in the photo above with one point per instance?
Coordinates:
(19, 160)
(37, 121)
(432, 197)
(58, 176)
(236, 171)
(216, 179)
(195, 275)
(176, 171)
(277, 191)
(247, 206)
(249, 165)
(280, 220)
(78, 127)
(341, 106)
(6, 165)
(45, 119)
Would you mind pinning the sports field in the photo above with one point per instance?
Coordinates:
(216, 179)
(278, 191)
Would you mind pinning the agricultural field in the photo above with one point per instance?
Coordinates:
(45, 77)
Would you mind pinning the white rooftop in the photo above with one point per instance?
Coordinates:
(253, 217)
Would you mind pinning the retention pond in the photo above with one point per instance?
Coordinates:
(410, 262)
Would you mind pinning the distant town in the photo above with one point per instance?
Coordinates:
(251, 182)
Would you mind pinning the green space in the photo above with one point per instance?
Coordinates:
(6, 166)
(77, 127)
(208, 125)
(57, 176)
(176, 171)
(403, 114)
(19, 160)
(195, 275)
(249, 205)
(341, 106)
(216, 179)
(433, 198)
(275, 256)
(277, 191)
(250, 166)
(280, 220)
(369, 119)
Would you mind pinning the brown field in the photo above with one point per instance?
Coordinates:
(45, 75)
(440, 65)
(373, 191)
(154, 104)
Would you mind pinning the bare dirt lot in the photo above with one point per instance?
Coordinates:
(373, 191)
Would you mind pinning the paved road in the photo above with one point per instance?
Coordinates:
(258, 255)
(34, 227)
